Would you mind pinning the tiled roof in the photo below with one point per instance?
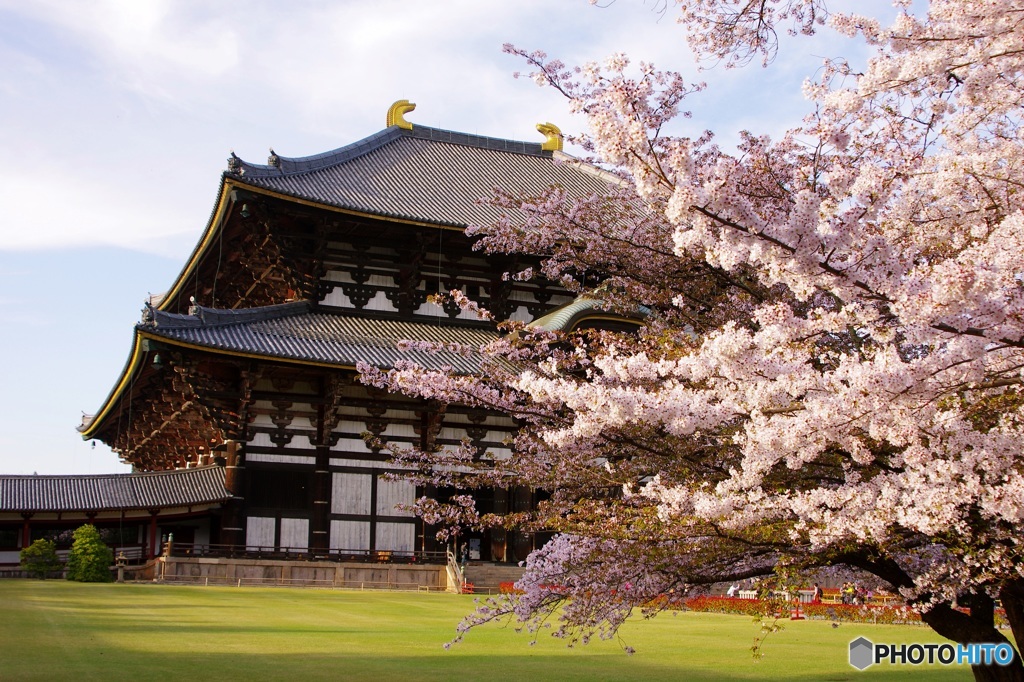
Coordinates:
(153, 490)
(293, 331)
(423, 174)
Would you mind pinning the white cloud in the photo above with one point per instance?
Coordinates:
(120, 112)
(143, 41)
(48, 207)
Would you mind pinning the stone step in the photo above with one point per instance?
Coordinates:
(488, 575)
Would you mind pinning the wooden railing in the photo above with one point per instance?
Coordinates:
(133, 554)
(829, 596)
(383, 556)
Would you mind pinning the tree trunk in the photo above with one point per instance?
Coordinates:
(1012, 597)
(978, 626)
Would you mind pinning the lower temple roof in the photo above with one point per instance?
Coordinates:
(106, 492)
(297, 332)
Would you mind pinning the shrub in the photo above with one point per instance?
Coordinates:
(855, 613)
(90, 558)
(890, 614)
(40, 558)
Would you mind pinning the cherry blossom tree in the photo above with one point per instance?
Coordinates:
(827, 369)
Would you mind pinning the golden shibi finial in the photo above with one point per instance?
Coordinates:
(397, 112)
(554, 141)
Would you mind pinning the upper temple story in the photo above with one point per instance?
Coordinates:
(375, 226)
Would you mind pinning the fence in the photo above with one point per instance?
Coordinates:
(179, 549)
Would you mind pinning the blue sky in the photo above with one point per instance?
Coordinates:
(116, 119)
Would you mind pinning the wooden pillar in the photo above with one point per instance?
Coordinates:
(521, 541)
(26, 530)
(421, 527)
(498, 535)
(151, 551)
(374, 478)
(233, 529)
(320, 524)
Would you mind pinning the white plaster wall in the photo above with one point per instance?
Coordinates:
(362, 463)
(391, 493)
(339, 276)
(299, 441)
(500, 453)
(337, 298)
(397, 537)
(429, 309)
(259, 532)
(281, 459)
(301, 422)
(351, 443)
(295, 533)
(350, 535)
(350, 493)
(521, 314)
(399, 430)
(449, 433)
(379, 302)
(261, 440)
(263, 420)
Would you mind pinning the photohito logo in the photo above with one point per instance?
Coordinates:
(864, 653)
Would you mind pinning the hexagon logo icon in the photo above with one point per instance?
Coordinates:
(862, 653)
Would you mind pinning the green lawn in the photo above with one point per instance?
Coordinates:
(54, 630)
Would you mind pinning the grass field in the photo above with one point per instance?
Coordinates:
(56, 630)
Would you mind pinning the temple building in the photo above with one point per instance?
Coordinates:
(239, 406)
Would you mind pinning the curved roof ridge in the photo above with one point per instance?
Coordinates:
(292, 165)
(480, 141)
(219, 317)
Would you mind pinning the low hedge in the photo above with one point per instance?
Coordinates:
(889, 614)
(863, 613)
(852, 613)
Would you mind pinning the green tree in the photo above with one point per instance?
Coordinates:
(90, 558)
(40, 558)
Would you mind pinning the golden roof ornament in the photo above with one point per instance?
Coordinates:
(554, 141)
(397, 112)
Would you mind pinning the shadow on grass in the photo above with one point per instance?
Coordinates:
(356, 665)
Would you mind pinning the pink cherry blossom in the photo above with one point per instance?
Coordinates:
(829, 371)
